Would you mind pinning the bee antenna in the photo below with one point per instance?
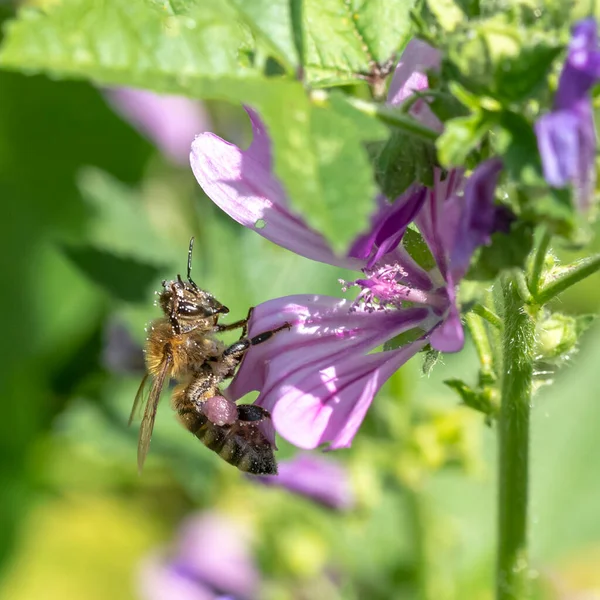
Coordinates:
(189, 263)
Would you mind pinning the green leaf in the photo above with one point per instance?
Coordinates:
(419, 251)
(197, 51)
(431, 359)
(506, 251)
(448, 13)
(461, 136)
(517, 142)
(118, 248)
(346, 178)
(118, 223)
(200, 41)
(518, 77)
(272, 20)
(500, 59)
(123, 278)
(346, 37)
(402, 160)
(478, 400)
(472, 8)
(405, 338)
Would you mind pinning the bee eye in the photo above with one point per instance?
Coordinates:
(189, 309)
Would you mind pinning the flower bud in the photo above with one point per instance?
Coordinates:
(557, 336)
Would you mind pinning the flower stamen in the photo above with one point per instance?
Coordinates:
(382, 289)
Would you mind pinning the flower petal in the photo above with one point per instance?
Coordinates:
(449, 336)
(216, 551)
(433, 220)
(243, 185)
(171, 122)
(390, 226)
(318, 375)
(567, 145)
(558, 142)
(479, 216)
(160, 580)
(321, 479)
(410, 76)
(327, 404)
(582, 67)
(323, 329)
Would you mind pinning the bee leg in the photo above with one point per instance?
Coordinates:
(245, 327)
(243, 323)
(173, 316)
(232, 355)
(188, 399)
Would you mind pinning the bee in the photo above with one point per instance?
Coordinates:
(182, 346)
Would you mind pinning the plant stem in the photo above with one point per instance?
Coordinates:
(485, 313)
(513, 431)
(522, 287)
(538, 262)
(387, 114)
(396, 118)
(482, 345)
(570, 276)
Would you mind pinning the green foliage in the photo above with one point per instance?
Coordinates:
(401, 161)
(461, 136)
(344, 38)
(479, 400)
(417, 248)
(557, 336)
(500, 60)
(96, 219)
(506, 251)
(277, 24)
(313, 144)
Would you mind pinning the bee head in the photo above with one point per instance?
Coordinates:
(188, 301)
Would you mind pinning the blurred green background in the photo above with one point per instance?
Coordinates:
(96, 217)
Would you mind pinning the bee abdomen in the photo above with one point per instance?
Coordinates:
(237, 451)
(258, 461)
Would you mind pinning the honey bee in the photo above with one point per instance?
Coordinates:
(182, 346)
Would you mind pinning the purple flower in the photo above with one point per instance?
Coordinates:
(410, 76)
(171, 122)
(321, 479)
(566, 136)
(211, 560)
(319, 379)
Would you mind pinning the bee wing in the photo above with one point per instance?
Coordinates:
(136, 409)
(147, 424)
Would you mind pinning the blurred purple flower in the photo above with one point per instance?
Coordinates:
(170, 122)
(321, 479)
(211, 560)
(410, 76)
(567, 135)
(319, 379)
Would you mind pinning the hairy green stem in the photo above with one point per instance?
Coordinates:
(522, 287)
(569, 276)
(513, 434)
(538, 262)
